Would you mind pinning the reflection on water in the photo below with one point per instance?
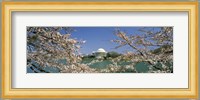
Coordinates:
(140, 67)
(97, 99)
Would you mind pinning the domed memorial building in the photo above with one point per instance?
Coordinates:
(100, 53)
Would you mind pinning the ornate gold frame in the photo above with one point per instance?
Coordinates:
(9, 92)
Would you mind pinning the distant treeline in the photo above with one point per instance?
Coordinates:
(114, 54)
(111, 54)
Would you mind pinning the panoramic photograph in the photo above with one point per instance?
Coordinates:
(99, 49)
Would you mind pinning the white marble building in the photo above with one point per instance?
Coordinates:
(100, 53)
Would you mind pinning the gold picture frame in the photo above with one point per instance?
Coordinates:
(9, 92)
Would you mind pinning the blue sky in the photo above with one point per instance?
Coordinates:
(100, 37)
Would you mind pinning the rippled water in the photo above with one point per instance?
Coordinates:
(140, 67)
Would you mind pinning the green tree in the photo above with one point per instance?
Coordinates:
(113, 54)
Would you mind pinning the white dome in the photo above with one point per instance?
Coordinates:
(101, 50)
